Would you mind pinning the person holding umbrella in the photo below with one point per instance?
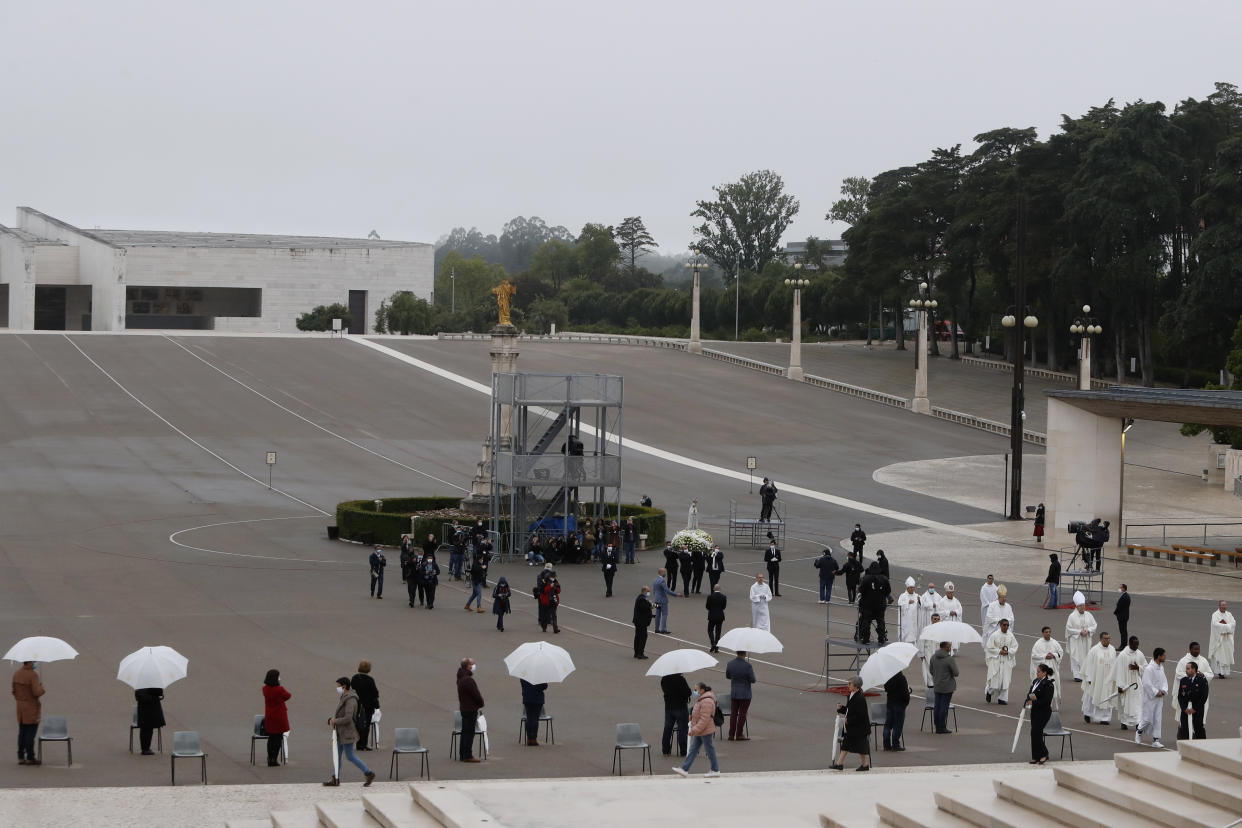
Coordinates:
(27, 690)
(342, 723)
(150, 715)
(532, 702)
(275, 715)
(1039, 700)
(856, 736)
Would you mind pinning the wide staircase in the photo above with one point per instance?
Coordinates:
(1198, 785)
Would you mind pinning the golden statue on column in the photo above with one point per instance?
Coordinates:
(503, 292)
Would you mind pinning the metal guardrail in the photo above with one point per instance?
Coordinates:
(1042, 373)
(558, 470)
(600, 339)
(1180, 532)
(962, 418)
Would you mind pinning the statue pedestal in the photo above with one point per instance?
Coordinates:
(504, 354)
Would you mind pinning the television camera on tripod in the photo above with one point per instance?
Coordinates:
(1090, 539)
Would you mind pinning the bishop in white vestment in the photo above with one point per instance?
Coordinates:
(1220, 645)
(1002, 654)
(908, 615)
(1079, 632)
(1097, 682)
(1129, 671)
(1047, 650)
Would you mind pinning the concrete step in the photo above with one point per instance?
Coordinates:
(1139, 797)
(1067, 806)
(447, 805)
(248, 823)
(398, 810)
(1169, 770)
(344, 815)
(1222, 754)
(295, 818)
(987, 810)
(873, 821)
(920, 814)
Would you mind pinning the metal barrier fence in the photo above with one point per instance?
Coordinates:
(962, 418)
(1205, 534)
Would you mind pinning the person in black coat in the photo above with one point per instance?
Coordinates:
(150, 715)
(716, 603)
(1039, 700)
(767, 497)
(882, 560)
(858, 538)
(608, 564)
(715, 565)
(684, 560)
(827, 566)
(898, 699)
(642, 620)
(431, 579)
(672, 564)
(856, 736)
(676, 692)
(1122, 611)
(874, 595)
(698, 563)
(852, 570)
(532, 702)
(1054, 582)
(1192, 696)
(773, 559)
(368, 701)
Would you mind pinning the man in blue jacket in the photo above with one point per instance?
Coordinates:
(741, 676)
(661, 593)
(827, 566)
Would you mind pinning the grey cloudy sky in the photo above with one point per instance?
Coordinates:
(414, 117)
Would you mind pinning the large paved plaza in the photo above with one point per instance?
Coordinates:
(135, 509)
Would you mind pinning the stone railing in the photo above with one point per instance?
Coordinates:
(857, 391)
(601, 339)
(744, 362)
(1042, 373)
(962, 418)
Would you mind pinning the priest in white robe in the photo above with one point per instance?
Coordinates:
(1128, 678)
(1220, 645)
(927, 605)
(927, 649)
(1097, 682)
(1079, 633)
(987, 594)
(908, 614)
(1001, 653)
(760, 597)
(1155, 688)
(1047, 650)
(949, 607)
(998, 609)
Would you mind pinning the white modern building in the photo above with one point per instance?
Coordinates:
(54, 276)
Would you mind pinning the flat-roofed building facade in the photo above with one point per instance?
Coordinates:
(54, 276)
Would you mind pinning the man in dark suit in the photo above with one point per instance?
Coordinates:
(773, 559)
(642, 620)
(767, 496)
(715, 616)
(1192, 696)
(672, 563)
(715, 565)
(1122, 611)
(684, 561)
(676, 712)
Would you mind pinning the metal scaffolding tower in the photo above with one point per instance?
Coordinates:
(555, 438)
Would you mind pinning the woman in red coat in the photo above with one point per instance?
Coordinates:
(275, 715)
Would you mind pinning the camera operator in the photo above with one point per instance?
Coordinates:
(1092, 538)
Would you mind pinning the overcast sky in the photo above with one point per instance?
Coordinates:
(411, 118)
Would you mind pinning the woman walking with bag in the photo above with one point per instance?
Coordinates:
(857, 735)
(346, 733)
(275, 715)
(702, 729)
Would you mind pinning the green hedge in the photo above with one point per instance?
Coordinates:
(354, 518)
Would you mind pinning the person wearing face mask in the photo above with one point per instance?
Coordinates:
(470, 703)
(642, 620)
(346, 733)
(702, 729)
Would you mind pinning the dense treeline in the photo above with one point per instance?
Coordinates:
(1133, 210)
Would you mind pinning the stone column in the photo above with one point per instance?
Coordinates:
(1084, 365)
(504, 355)
(920, 403)
(795, 344)
(1083, 479)
(695, 345)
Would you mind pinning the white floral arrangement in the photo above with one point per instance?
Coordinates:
(693, 539)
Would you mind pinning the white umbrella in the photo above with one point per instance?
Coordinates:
(152, 667)
(955, 632)
(40, 648)
(539, 662)
(885, 663)
(750, 640)
(681, 661)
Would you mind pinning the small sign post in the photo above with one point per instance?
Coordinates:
(752, 463)
(271, 461)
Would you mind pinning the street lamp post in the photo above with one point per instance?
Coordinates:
(453, 282)
(1017, 412)
(1085, 326)
(923, 303)
(795, 346)
(695, 345)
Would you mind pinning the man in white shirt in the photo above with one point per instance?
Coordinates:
(1047, 650)
(1098, 687)
(928, 648)
(1129, 671)
(1220, 645)
(987, 594)
(1002, 654)
(1079, 630)
(949, 607)
(998, 609)
(908, 628)
(1155, 687)
(760, 597)
(927, 605)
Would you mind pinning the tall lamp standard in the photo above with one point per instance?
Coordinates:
(795, 346)
(1085, 326)
(1017, 412)
(695, 265)
(923, 303)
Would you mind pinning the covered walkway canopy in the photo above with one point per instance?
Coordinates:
(1086, 442)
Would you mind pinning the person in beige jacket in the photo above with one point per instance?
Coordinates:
(346, 733)
(26, 690)
(702, 730)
